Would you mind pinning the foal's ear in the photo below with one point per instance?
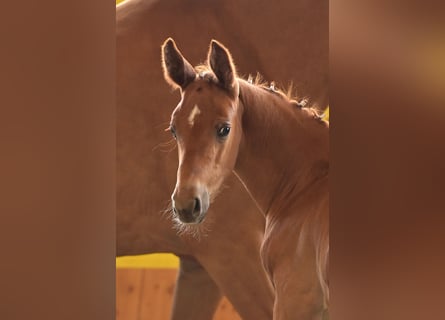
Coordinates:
(221, 63)
(177, 70)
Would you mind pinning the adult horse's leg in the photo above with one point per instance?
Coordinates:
(325, 315)
(235, 279)
(196, 294)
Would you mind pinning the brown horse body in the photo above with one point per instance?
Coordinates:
(289, 181)
(228, 257)
(279, 150)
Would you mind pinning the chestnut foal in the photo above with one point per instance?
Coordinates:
(280, 152)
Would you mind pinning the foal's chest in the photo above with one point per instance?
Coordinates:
(287, 244)
(279, 244)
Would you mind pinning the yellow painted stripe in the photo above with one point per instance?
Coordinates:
(157, 260)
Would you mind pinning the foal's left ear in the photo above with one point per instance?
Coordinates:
(221, 63)
(177, 70)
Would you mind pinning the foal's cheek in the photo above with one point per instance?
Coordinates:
(231, 150)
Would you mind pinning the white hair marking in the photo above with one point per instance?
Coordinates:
(193, 114)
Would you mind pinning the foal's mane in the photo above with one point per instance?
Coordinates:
(313, 111)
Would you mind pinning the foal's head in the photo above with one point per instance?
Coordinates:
(206, 126)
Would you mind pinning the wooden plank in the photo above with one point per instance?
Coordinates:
(147, 294)
(158, 291)
(128, 293)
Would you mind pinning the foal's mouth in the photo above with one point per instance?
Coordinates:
(195, 221)
(197, 228)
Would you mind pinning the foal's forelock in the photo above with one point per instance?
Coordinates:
(205, 73)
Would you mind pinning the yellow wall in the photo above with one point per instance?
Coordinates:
(158, 260)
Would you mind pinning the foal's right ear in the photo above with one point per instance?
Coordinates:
(221, 63)
(177, 70)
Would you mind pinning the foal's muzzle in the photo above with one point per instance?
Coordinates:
(190, 205)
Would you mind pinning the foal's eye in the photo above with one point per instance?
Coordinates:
(173, 131)
(223, 131)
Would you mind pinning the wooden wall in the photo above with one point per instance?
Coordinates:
(147, 294)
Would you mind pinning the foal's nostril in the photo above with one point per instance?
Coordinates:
(188, 212)
(197, 207)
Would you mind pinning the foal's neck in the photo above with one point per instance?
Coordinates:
(284, 150)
